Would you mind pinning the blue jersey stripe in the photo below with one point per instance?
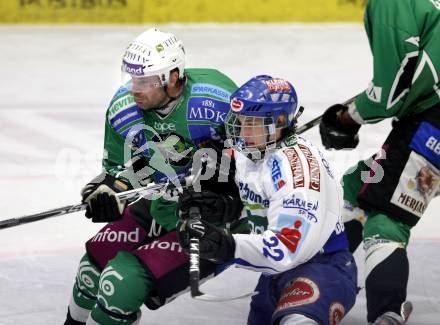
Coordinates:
(125, 117)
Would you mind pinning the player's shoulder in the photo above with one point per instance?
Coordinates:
(384, 4)
(295, 147)
(303, 142)
(200, 73)
(297, 165)
(210, 82)
(122, 109)
(382, 9)
(276, 175)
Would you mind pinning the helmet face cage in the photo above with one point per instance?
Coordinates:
(254, 136)
(259, 108)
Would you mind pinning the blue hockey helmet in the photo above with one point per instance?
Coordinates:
(260, 109)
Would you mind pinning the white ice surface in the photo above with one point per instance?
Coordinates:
(55, 85)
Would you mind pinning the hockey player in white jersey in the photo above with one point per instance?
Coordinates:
(308, 275)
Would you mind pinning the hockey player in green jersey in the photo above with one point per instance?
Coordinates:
(155, 123)
(404, 176)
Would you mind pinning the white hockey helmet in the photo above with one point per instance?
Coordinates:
(153, 53)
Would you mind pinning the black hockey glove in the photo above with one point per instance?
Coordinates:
(334, 134)
(215, 244)
(99, 194)
(214, 208)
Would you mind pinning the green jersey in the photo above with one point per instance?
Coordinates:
(404, 37)
(197, 117)
(166, 144)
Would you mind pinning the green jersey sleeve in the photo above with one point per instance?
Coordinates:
(113, 150)
(121, 115)
(404, 37)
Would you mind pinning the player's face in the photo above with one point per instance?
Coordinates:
(254, 132)
(148, 92)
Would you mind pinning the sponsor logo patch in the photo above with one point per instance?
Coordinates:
(304, 208)
(206, 109)
(292, 231)
(426, 142)
(200, 88)
(120, 236)
(248, 194)
(125, 117)
(163, 245)
(296, 166)
(417, 185)
(278, 178)
(159, 48)
(133, 69)
(336, 313)
(162, 127)
(300, 291)
(313, 168)
(236, 105)
(290, 237)
(277, 85)
(121, 104)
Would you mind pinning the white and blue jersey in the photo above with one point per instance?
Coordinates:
(294, 188)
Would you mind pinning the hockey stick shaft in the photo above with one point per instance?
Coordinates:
(129, 196)
(194, 257)
(194, 277)
(312, 123)
(42, 215)
(309, 125)
(194, 269)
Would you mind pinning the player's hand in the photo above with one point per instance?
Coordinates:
(214, 208)
(335, 132)
(99, 194)
(215, 244)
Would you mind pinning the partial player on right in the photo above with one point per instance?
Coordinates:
(387, 195)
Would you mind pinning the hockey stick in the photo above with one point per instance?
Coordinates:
(194, 278)
(194, 269)
(312, 123)
(129, 196)
(309, 125)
